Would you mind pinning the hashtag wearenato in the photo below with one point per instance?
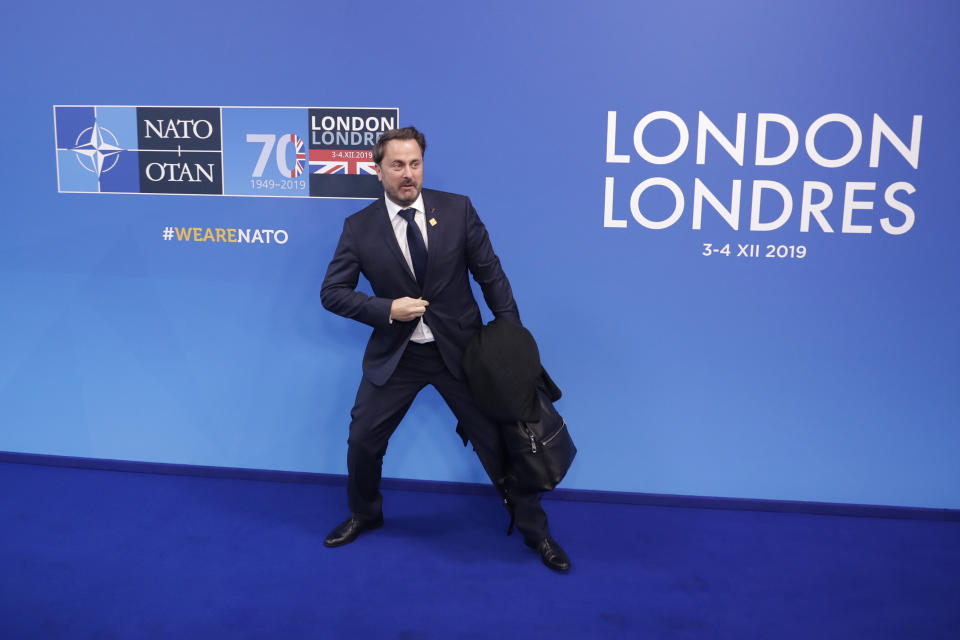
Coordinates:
(226, 235)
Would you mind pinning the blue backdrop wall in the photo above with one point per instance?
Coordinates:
(732, 228)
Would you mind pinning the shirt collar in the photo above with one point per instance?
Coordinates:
(393, 209)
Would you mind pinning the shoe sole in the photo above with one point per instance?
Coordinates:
(556, 568)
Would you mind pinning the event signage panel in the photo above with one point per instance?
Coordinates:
(320, 152)
(851, 205)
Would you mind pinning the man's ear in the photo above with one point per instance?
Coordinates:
(377, 167)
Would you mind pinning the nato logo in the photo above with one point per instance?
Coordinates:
(97, 149)
(173, 150)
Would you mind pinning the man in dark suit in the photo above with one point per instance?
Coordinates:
(415, 246)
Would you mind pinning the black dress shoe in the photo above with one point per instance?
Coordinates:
(551, 553)
(348, 530)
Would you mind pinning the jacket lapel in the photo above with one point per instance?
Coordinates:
(435, 232)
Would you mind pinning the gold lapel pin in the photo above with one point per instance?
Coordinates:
(433, 222)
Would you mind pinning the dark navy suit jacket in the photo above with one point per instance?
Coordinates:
(456, 244)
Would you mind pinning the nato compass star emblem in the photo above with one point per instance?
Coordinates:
(94, 150)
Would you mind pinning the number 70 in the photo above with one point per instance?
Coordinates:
(268, 140)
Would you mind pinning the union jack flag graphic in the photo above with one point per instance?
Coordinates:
(342, 161)
(300, 157)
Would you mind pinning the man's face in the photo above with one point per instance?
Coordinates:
(401, 171)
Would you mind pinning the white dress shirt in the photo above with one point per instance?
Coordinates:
(422, 333)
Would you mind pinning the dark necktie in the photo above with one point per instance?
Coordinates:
(418, 249)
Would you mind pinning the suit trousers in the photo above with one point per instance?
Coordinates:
(378, 411)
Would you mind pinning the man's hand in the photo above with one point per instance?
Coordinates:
(404, 309)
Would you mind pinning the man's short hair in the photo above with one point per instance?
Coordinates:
(407, 133)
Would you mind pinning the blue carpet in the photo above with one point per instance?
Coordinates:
(106, 554)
